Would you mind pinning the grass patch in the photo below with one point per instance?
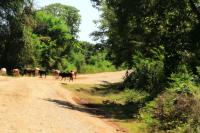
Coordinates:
(133, 126)
(110, 101)
(82, 91)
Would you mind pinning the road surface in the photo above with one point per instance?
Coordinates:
(35, 105)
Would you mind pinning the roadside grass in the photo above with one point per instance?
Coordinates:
(112, 102)
(133, 126)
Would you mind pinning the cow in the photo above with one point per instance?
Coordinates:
(30, 72)
(15, 72)
(42, 72)
(64, 75)
(75, 74)
(37, 71)
(56, 73)
(3, 71)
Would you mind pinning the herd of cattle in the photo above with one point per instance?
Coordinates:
(42, 73)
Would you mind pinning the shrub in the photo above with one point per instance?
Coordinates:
(176, 109)
(70, 67)
(133, 96)
(88, 69)
(147, 75)
(96, 68)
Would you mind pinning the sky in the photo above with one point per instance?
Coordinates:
(87, 12)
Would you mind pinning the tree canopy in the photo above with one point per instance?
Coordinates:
(141, 26)
(68, 13)
(46, 38)
(15, 19)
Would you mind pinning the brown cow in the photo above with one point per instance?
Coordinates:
(74, 73)
(37, 71)
(15, 72)
(56, 73)
(29, 72)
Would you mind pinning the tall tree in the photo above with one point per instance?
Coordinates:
(68, 13)
(14, 16)
(55, 40)
(140, 26)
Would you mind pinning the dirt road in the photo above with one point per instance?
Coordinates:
(35, 105)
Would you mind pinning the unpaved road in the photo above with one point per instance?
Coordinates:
(35, 105)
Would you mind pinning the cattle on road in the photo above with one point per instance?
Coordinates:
(3, 71)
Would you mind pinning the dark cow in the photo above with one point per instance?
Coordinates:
(42, 72)
(64, 75)
(30, 72)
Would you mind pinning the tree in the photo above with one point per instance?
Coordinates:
(140, 26)
(56, 40)
(14, 16)
(68, 13)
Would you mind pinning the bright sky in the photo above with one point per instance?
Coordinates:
(87, 12)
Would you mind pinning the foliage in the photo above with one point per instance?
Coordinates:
(67, 13)
(148, 74)
(45, 38)
(175, 110)
(55, 40)
(58, 48)
(15, 22)
(132, 96)
(97, 63)
(159, 41)
(131, 26)
(95, 68)
(198, 71)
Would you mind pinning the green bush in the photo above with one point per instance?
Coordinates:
(147, 75)
(96, 68)
(133, 96)
(176, 109)
(88, 69)
(69, 67)
(97, 63)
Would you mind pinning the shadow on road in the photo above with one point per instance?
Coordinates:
(106, 109)
(71, 106)
(111, 110)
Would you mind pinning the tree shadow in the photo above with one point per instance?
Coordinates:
(68, 105)
(106, 109)
(115, 111)
(107, 88)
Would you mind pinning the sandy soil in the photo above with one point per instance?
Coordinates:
(35, 105)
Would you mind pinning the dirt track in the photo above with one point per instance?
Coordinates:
(35, 105)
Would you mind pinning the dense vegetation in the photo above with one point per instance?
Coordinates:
(159, 41)
(46, 38)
